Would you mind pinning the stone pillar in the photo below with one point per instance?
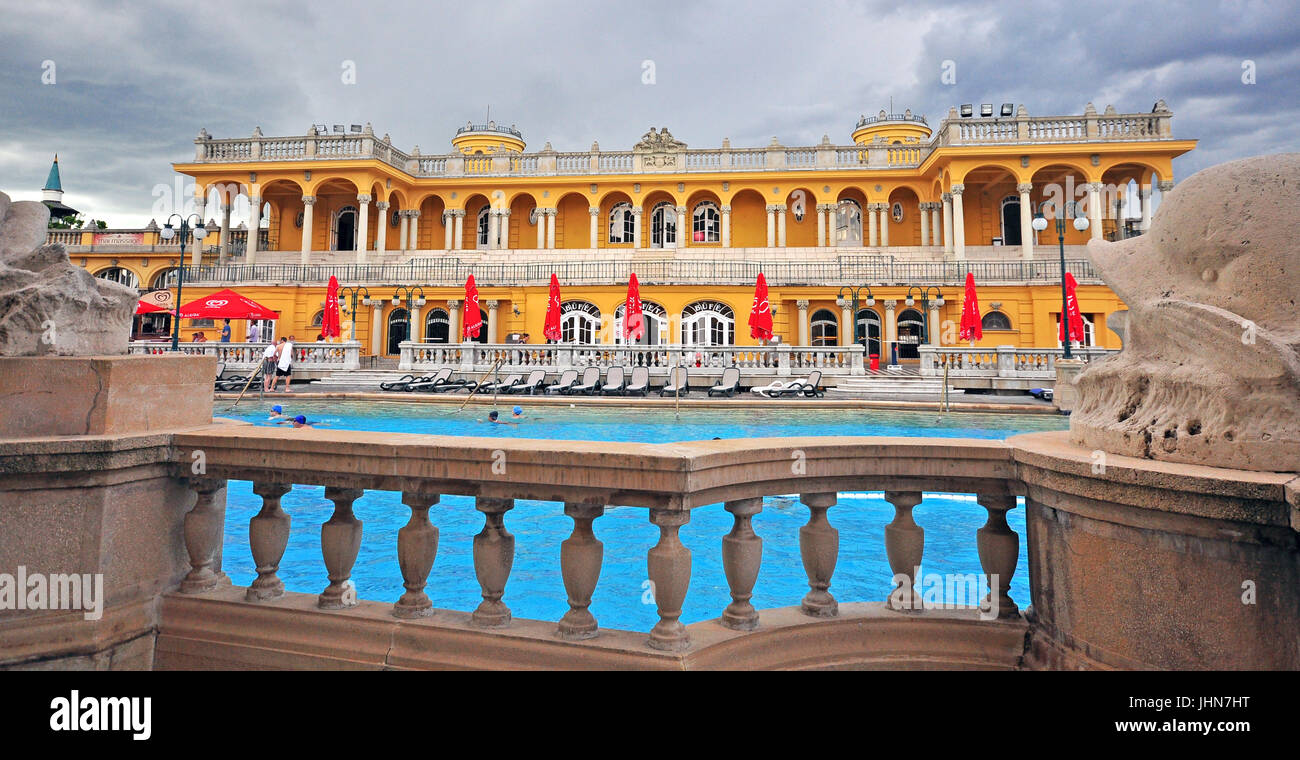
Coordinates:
(381, 227)
(884, 225)
(947, 223)
(999, 551)
(377, 327)
(933, 331)
(803, 322)
(503, 230)
(669, 567)
(417, 547)
(873, 237)
(453, 321)
(363, 228)
(414, 239)
(726, 226)
(494, 555)
(742, 553)
(891, 332)
(936, 212)
(308, 202)
(683, 231)
(255, 228)
(404, 229)
(581, 555)
(225, 230)
(780, 224)
(1144, 193)
(268, 535)
(458, 239)
(821, 225)
(847, 326)
(771, 226)
(958, 223)
(541, 228)
(594, 227)
(924, 210)
(492, 321)
(904, 545)
(819, 546)
(1064, 393)
(340, 541)
(448, 223)
(637, 211)
(203, 529)
(1094, 210)
(550, 227)
(1026, 220)
(494, 229)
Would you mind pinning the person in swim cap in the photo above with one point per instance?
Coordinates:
(276, 412)
(518, 412)
(301, 421)
(493, 417)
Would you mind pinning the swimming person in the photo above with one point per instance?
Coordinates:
(518, 412)
(277, 412)
(301, 421)
(493, 418)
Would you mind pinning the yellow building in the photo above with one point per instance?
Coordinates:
(904, 207)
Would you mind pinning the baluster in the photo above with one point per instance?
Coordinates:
(819, 545)
(999, 550)
(204, 527)
(580, 558)
(268, 535)
(904, 543)
(742, 553)
(494, 555)
(417, 546)
(340, 540)
(669, 564)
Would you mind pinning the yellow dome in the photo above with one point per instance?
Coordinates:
(488, 138)
(903, 127)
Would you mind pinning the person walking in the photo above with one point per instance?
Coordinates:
(284, 366)
(270, 358)
(225, 332)
(254, 332)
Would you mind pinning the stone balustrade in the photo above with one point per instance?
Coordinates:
(1001, 361)
(244, 357)
(702, 362)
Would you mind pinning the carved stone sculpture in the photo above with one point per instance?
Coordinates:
(47, 305)
(1210, 371)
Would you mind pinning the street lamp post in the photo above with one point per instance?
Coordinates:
(354, 291)
(168, 232)
(1071, 210)
(854, 291)
(408, 293)
(925, 305)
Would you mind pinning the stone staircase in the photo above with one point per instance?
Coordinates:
(887, 385)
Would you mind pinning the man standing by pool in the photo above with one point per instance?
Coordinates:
(270, 357)
(284, 368)
(225, 332)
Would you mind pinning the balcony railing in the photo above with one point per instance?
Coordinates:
(1008, 362)
(247, 356)
(883, 270)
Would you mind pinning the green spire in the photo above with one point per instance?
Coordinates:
(52, 182)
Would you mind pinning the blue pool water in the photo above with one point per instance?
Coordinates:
(536, 590)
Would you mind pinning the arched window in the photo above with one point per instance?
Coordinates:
(708, 323)
(995, 320)
(399, 329)
(345, 229)
(706, 223)
(663, 225)
(1011, 220)
(622, 224)
(579, 322)
(163, 279)
(825, 328)
(656, 324)
(481, 240)
(319, 319)
(868, 327)
(437, 326)
(119, 275)
(911, 333)
(848, 223)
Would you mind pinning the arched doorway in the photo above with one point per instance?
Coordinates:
(911, 333)
(663, 226)
(868, 326)
(848, 223)
(656, 324)
(708, 323)
(120, 276)
(483, 332)
(399, 329)
(825, 328)
(345, 229)
(1011, 220)
(579, 323)
(437, 326)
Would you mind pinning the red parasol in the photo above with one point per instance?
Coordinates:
(158, 300)
(226, 304)
(760, 316)
(633, 319)
(329, 326)
(473, 321)
(552, 329)
(972, 328)
(1073, 316)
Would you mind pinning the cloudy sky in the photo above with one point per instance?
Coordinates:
(135, 81)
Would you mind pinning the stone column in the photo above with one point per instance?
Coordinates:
(503, 230)
(541, 228)
(958, 223)
(873, 236)
(414, 239)
(771, 226)
(683, 231)
(726, 226)
(947, 223)
(200, 206)
(933, 331)
(803, 321)
(363, 229)
(381, 227)
(492, 321)
(308, 202)
(1094, 210)
(936, 211)
(225, 231)
(847, 327)
(891, 332)
(494, 229)
(458, 239)
(780, 224)
(377, 327)
(637, 211)
(1144, 192)
(453, 321)
(404, 228)
(550, 227)
(925, 224)
(594, 227)
(448, 223)
(255, 228)
(884, 225)
(821, 225)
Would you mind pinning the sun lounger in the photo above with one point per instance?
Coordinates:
(502, 386)
(432, 382)
(728, 385)
(590, 383)
(775, 388)
(806, 388)
(531, 385)
(568, 378)
(678, 384)
(615, 382)
(640, 382)
(401, 384)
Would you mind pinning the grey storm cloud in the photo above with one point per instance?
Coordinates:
(136, 81)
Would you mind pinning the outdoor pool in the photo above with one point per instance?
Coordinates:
(622, 600)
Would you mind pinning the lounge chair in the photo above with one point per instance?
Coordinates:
(640, 382)
(615, 382)
(728, 385)
(510, 382)
(401, 384)
(568, 378)
(678, 383)
(590, 383)
(530, 386)
(776, 388)
(432, 382)
(806, 388)
(451, 386)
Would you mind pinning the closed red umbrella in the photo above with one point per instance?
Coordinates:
(972, 328)
(226, 304)
(633, 318)
(331, 318)
(760, 316)
(1073, 317)
(473, 321)
(552, 329)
